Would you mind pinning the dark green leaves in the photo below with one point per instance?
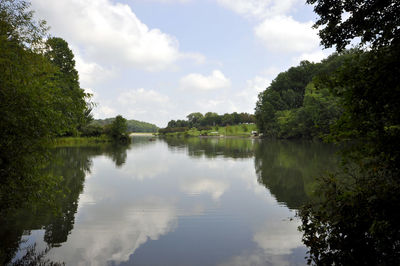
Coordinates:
(375, 22)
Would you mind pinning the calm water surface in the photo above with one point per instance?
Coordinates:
(175, 202)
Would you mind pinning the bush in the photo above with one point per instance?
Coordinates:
(91, 131)
(117, 130)
(201, 128)
(166, 130)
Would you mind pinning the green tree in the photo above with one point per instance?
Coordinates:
(265, 115)
(286, 92)
(210, 119)
(75, 109)
(375, 22)
(227, 119)
(172, 123)
(355, 219)
(29, 100)
(117, 130)
(194, 119)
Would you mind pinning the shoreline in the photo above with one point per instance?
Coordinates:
(210, 137)
(142, 134)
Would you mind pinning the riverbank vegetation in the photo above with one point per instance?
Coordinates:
(235, 124)
(41, 100)
(350, 98)
(354, 218)
(242, 130)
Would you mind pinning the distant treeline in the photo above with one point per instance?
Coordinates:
(132, 125)
(205, 122)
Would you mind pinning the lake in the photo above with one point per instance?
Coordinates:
(195, 201)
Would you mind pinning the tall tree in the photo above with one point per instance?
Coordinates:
(117, 130)
(60, 55)
(30, 97)
(194, 119)
(285, 92)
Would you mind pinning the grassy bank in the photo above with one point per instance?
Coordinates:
(141, 134)
(243, 130)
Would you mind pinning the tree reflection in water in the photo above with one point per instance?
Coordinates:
(289, 169)
(286, 169)
(56, 218)
(236, 148)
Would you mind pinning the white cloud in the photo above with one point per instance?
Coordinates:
(110, 33)
(196, 57)
(145, 105)
(315, 57)
(259, 8)
(248, 97)
(271, 72)
(275, 241)
(98, 245)
(142, 96)
(215, 188)
(91, 73)
(278, 31)
(166, 1)
(195, 81)
(279, 237)
(220, 105)
(104, 111)
(258, 84)
(139, 167)
(255, 86)
(284, 34)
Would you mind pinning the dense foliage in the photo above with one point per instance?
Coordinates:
(205, 122)
(117, 130)
(292, 106)
(375, 22)
(39, 100)
(75, 109)
(354, 221)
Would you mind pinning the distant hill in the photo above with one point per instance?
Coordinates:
(133, 125)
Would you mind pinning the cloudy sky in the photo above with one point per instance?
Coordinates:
(157, 60)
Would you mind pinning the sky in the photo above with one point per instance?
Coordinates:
(158, 60)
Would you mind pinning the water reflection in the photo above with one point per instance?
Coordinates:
(278, 243)
(107, 233)
(289, 169)
(196, 186)
(57, 218)
(172, 202)
(213, 147)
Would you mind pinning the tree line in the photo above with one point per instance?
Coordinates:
(206, 121)
(96, 127)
